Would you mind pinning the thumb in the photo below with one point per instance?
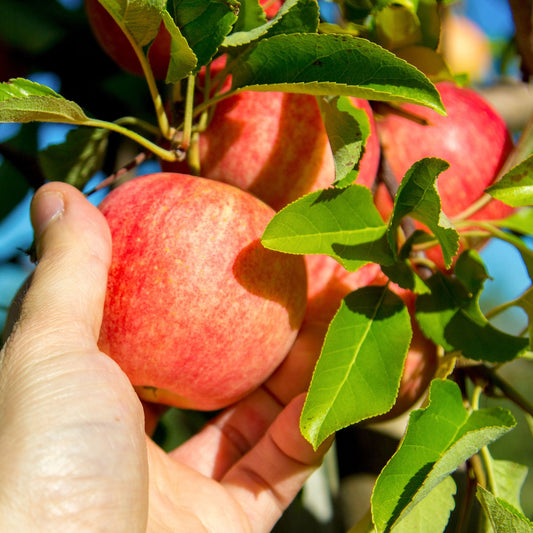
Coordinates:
(67, 291)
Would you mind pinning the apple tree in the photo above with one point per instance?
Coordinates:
(408, 341)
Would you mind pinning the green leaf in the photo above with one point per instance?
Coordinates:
(348, 129)
(502, 515)
(77, 159)
(358, 373)
(182, 58)
(294, 16)
(451, 317)
(26, 101)
(418, 197)
(432, 514)
(323, 64)
(138, 19)
(438, 440)
(251, 15)
(509, 479)
(520, 221)
(194, 16)
(341, 223)
(515, 188)
(403, 274)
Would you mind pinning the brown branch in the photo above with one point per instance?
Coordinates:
(110, 180)
(522, 10)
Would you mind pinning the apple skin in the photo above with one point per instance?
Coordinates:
(118, 48)
(274, 145)
(328, 282)
(473, 138)
(271, 7)
(197, 313)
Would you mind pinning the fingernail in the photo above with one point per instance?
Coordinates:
(46, 207)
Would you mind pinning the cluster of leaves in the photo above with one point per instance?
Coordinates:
(359, 370)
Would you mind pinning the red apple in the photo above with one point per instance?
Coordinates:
(197, 313)
(275, 146)
(473, 138)
(328, 282)
(271, 7)
(116, 45)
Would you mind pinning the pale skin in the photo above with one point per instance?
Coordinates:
(74, 450)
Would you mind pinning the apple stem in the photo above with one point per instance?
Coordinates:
(189, 108)
(500, 308)
(143, 124)
(162, 119)
(214, 100)
(502, 235)
(167, 155)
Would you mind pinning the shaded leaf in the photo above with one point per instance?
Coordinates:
(438, 440)
(77, 159)
(359, 370)
(194, 16)
(347, 128)
(451, 317)
(294, 16)
(418, 198)
(13, 188)
(251, 15)
(323, 64)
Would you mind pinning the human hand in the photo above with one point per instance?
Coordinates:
(73, 451)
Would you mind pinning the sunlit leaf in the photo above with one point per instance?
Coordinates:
(502, 515)
(359, 370)
(438, 440)
(520, 221)
(323, 64)
(432, 514)
(77, 159)
(341, 223)
(515, 188)
(22, 100)
(182, 58)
